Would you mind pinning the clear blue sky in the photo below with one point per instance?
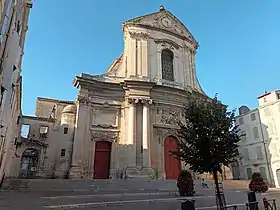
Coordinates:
(239, 54)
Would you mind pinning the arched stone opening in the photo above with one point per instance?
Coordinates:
(29, 163)
(172, 165)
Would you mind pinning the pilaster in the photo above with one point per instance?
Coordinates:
(81, 135)
(131, 131)
(138, 54)
(146, 132)
(145, 72)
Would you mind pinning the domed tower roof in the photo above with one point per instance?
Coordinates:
(70, 109)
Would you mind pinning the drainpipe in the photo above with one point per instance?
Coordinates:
(265, 151)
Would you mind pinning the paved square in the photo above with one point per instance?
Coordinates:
(118, 195)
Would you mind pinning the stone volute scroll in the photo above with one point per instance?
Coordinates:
(83, 100)
(147, 101)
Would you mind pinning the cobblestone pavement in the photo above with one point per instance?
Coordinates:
(89, 196)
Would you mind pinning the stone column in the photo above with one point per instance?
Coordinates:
(131, 133)
(146, 133)
(80, 137)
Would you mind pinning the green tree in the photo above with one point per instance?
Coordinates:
(208, 137)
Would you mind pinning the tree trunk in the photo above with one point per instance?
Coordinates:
(218, 193)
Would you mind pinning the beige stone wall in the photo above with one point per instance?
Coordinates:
(51, 163)
(148, 105)
(12, 43)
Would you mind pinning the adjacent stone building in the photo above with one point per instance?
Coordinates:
(122, 123)
(13, 29)
(260, 147)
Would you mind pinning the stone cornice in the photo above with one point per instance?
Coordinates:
(138, 35)
(104, 126)
(89, 82)
(89, 102)
(104, 135)
(50, 120)
(54, 100)
(137, 83)
(167, 41)
(195, 44)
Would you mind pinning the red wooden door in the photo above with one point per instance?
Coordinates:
(172, 165)
(102, 160)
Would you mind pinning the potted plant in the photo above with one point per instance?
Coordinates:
(257, 184)
(185, 184)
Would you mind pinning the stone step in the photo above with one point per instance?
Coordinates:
(56, 184)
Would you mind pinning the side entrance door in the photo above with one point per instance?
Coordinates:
(102, 160)
(172, 165)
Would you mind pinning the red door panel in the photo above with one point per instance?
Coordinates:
(102, 160)
(172, 165)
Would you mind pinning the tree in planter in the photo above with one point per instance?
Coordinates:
(185, 184)
(208, 138)
(257, 184)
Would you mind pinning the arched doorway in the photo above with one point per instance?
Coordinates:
(172, 165)
(29, 163)
(278, 176)
(102, 160)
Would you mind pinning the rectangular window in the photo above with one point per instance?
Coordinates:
(249, 173)
(65, 131)
(243, 137)
(2, 89)
(62, 153)
(246, 154)
(256, 133)
(263, 173)
(43, 131)
(25, 128)
(241, 121)
(12, 95)
(259, 153)
(6, 16)
(253, 116)
(15, 141)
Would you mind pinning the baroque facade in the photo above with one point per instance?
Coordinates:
(13, 29)
(123, 122)
(259, 147)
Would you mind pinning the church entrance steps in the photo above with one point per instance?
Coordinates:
(88, 185)
(116, 203)
(146, 194)
(105, 186)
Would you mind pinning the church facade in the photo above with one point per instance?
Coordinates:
(123, 122)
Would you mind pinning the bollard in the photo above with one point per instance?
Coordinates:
(252, 200)
(274, 204)
(265, 204)
(188, 205)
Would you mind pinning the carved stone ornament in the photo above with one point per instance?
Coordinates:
(168, 23)
(111, 136)
(105, 126)
(146, 101)
(162, 133)
(170, 117)
(83, 100)
(139, 35)
(165, 42)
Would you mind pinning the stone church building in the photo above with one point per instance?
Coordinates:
(123, 122)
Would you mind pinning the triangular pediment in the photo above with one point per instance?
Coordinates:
(163, 20)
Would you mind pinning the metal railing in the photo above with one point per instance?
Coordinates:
(265, 205)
